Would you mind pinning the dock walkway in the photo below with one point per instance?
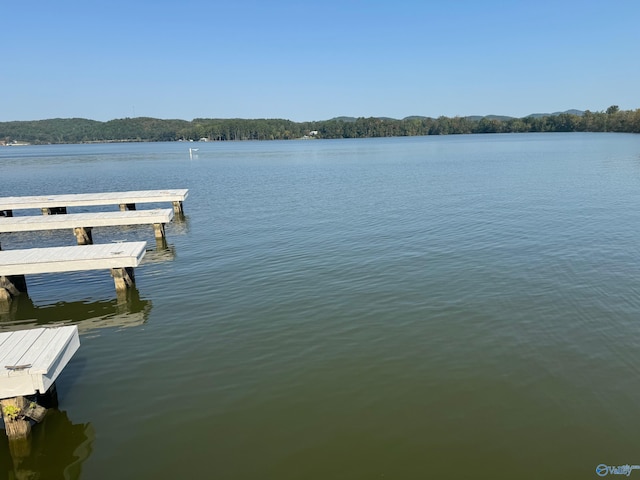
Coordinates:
(83, 223)
(59, 203)
(31, 360)
(120, 258)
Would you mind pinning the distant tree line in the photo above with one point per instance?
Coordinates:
(143, 129)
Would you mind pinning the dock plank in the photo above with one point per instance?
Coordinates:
(28, 350)
(11, 353)
(83, 220)
(93, 199)
(42, 359)
(71, 259)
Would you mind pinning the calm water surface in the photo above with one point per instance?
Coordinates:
(433, 307)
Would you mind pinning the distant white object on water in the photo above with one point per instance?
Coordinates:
(192, 151)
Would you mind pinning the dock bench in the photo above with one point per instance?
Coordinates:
(83, 223)
(120, 258)
(49, 204)
(31, 360)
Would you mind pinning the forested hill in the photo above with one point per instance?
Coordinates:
(142, 129)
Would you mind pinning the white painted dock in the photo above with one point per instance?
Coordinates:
(33, 223)
(125, 199)
(82, 224)
(71, 259)
(31, 360)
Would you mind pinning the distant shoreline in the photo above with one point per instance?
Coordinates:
(144, 129)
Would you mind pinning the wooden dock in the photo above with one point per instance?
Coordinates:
(120, 258)
(30, 362)
(71, 259)
(126, 200)
(82, 223)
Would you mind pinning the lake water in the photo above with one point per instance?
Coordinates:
(406, 308)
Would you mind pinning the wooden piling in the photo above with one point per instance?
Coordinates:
(161, 244)
(158, 230)
(11, 287)
(123, 278)
(5, 300)
(127, 206)
(16, 424)
(83, 235)
(177, 208)
(14, 284)
(54, 210)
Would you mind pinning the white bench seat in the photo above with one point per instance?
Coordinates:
(83, 223)
(34, 223)
(71, 259)
(124, 199)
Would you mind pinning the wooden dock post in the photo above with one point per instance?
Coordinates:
(54, 210)
(5, 300)
(17, 413)
(127, 206)
(123, 278)
(83, 235)
(16, 424)
(6, 213)
(177, 208)
(11, 286)
(158, 230)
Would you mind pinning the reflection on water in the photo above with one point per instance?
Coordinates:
(56, 449)
(163, 252)
(127, 310)
(180, 224)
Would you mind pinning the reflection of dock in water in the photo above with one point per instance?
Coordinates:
(119, 312)
(56, 449)
(127, 309)
(163, 252)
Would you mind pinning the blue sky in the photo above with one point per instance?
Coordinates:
(308, 60)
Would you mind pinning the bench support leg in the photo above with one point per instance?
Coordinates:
(123, 278)
(54, 211)
(158, 230)
(177, 208)
(127, 206)
(14, 284)
(11, 286)
(83, 235)
(17, 426)
(5, 300)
